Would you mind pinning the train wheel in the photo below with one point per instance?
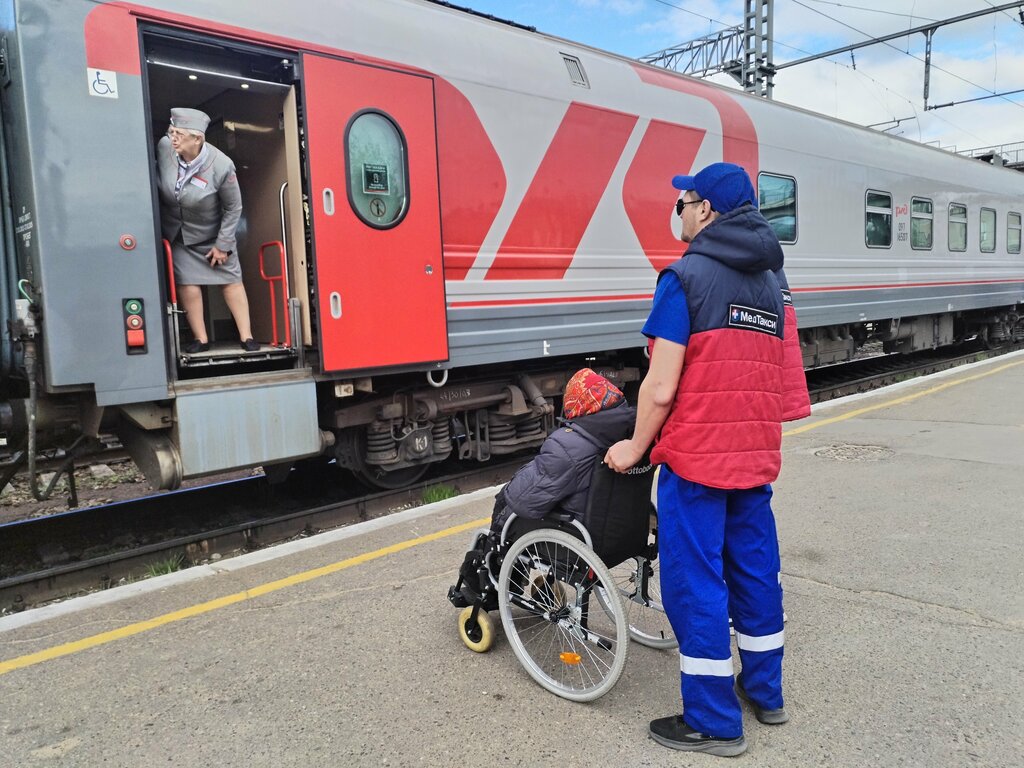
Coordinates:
(374, 476)
(477, 635)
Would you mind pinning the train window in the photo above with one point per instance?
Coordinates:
(878, 220)
(375, 154)
(1013, 233)
(957, 227)
(777, 196)
(921, 221)
(988, 230)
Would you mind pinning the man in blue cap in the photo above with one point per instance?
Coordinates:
(718, 423)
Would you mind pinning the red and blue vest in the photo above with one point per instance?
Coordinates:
(725, 427)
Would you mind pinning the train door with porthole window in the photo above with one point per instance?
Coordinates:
(372, 153)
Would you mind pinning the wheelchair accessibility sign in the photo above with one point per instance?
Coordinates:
(102, 83)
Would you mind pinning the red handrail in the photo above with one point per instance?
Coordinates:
(283, 277)
(170, 272)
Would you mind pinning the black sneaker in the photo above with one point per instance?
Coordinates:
(766, 716)
(251, 345)
(673, 732)
(196, 346)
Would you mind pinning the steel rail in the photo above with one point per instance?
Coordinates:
(70, 577)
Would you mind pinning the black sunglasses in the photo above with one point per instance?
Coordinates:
(680, 204)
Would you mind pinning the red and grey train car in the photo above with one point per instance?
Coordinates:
(444, 215)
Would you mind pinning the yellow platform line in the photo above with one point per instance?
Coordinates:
(301, 578)
(898, 401)
(222, 602)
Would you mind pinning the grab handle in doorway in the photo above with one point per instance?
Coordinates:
(283, 279)
(284, 221)
(170, 274)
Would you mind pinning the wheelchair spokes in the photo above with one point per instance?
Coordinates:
(572, 645)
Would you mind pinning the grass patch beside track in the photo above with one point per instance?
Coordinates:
(439, 493)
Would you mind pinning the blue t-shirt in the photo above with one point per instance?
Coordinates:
(670, 315)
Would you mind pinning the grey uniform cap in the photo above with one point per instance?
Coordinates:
(189, 119)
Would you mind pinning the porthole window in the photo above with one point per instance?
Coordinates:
(1013, 233)
(777, 200)
(988, 230)
(378, 169)
(878, 220)
(957, 227)
(921, 223)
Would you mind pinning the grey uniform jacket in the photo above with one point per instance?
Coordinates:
(204, 215)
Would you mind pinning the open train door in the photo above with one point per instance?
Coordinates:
(372, 153)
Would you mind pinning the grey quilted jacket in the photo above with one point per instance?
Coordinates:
(559, 476)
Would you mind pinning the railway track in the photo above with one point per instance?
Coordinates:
(72, 553)
(872, 373)
(62, 555)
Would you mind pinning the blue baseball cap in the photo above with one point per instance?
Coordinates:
(725, 185)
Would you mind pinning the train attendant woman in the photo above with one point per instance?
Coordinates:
(200, 206)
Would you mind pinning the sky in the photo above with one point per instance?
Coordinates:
(879, 84)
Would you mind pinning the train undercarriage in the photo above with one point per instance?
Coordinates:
(389, 431)
(828, 345)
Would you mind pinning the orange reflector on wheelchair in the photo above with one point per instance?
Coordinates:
(569, 657)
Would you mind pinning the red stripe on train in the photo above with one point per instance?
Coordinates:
(563, 195)
(647, 193)
(739, 137)
(640, 296)
(549, 300)
(824, 289)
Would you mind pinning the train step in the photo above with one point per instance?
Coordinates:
(230, 353)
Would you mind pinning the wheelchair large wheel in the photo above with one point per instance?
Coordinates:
(568, 640)
(637, 581)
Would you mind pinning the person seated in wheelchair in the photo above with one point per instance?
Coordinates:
(595, 415)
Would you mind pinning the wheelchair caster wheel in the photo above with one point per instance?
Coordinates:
(477, 635)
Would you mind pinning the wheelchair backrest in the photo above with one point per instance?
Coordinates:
(618, 511)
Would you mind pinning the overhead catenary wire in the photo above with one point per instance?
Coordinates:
(905, 53)
(873, 10)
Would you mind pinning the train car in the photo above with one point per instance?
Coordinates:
(444, 216)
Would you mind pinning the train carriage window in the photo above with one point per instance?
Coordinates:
(878, 220)
(777, 196)
(988, 230)
(1013, 233)
(921, 221)
(375, 154)
(957, 227)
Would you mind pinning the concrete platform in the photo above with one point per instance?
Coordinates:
(901, 530)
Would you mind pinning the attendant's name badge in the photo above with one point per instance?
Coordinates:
(200, 182)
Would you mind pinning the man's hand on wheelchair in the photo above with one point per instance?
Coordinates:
(623, 455)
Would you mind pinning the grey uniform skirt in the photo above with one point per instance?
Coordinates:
(192, 268)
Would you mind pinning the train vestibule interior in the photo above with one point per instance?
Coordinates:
(251, 99)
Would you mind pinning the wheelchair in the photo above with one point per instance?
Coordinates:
(570, 594)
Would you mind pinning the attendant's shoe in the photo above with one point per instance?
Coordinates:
(196, 346)
(766, 716)
(673, 732)
(251, 345)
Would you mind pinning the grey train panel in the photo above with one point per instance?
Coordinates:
(839, 307)
(267, 422)
(90, 162)
(500, 334)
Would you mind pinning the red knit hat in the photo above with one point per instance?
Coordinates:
(588, 392)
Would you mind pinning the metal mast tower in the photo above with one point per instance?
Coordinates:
(745, 51)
